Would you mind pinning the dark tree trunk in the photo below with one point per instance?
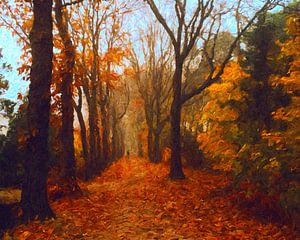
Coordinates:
(98, 157)
(104, 121)
(114, 134)
(83, 135)
(156, 151)
(149, 120)
(158, 123)
(34, 198)
(150, 143)
(121, 138)
(70, 185)
(176, 171)
(92, 139)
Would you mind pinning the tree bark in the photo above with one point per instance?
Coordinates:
(83, 135)
(114, 133)
(156, 158)
(175, 117)
(150, 143)
(92, 139)
(70, 185)
(104, 122)
(34, 199)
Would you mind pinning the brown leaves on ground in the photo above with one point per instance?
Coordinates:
(134, 199)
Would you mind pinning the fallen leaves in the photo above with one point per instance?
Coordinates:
(134, 199)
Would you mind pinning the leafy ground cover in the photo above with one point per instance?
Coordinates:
(134, 199)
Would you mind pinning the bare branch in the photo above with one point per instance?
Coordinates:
(161, 19)
(210, 79)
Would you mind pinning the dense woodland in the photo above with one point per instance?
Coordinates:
(179, 118)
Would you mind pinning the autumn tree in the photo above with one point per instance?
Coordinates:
(34, 199)
(67, 129)
(119, 102)
(96, 28)
(204, 23)
(114, 42)
(86, 24)
(153, 78)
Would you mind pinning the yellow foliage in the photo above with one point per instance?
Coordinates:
(228, 89)
(291, 113)
(213, 142)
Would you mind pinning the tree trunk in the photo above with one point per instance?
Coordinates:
(176, 171)
(114, 133)
(83, 135)
(157, 130)
(92, 139)
(70, 185)
(104, 121)
(150, 143)
(156, 158)
(34, 199)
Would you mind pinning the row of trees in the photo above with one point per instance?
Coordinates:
(75, 65)
(245, 97)
(79, 62)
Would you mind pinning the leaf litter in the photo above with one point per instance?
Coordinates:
(134, 199)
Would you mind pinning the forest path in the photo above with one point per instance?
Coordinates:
(134, 199)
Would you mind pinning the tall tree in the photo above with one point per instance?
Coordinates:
(260, 58)
(204, 23)
(34, 198)
(67, 129)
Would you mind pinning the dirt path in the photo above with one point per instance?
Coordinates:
(135, 200)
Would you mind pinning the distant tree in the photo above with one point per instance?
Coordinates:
(153, 78)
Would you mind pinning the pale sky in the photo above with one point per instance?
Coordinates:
(11, 54)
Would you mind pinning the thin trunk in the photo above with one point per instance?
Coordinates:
(83, 135)
(34, 200)
(90, 161)
(238, 23)
(176, 171)
(114, 134)
(92, 139)
(149, 120)
(67, 132)
(121, 135)
(105, 145)
(104, 104)
(150, 143)
(156, 158)
(157, 130)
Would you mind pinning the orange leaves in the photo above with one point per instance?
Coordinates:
(134, 199)
(218, 118)
(129, 72)
(291, 48)
(228, 89)
(109, 76)
(114, 56)
(291, 113)
(234, 73)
